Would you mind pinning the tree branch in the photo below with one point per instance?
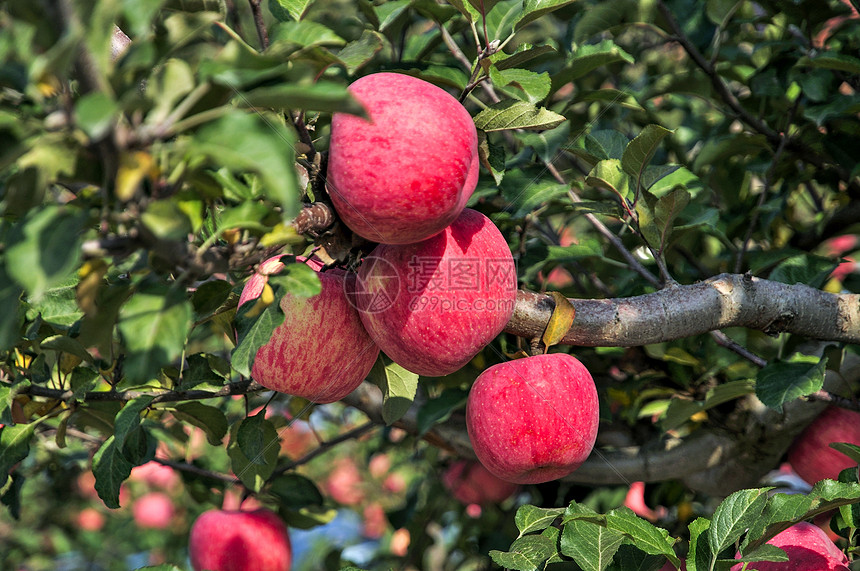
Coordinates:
(726, 300)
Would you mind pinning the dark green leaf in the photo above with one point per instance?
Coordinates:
(250, 438)
(602, 17)
(631, 558)
(492, 157)
(128, 418)
(589, 57)
(208, 418)
(780, 382)
(110, 469)
(439, 409)
(803, 269)
(295, 491)
(834, 61)
(700, 556)
(254, 472)
(322, 96)
(526, 193)
(14, 446)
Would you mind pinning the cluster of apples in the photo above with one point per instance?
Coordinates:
(438, 287)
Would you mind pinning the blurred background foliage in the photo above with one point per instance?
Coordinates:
(137, 192)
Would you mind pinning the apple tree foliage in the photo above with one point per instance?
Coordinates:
(631, 151)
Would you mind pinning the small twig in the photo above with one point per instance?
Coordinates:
(725, 341)
(325, 446)
(237, 388)
(192, 469)
(260, 24)
(835, 400)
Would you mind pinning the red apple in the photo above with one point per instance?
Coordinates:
(375, 521)
(808, 549)
(321, 351)
(810, 455)
(534, 419)
(153, 510)
(669, 567)
(434, 305)
(635, 500)
(471, 483)
(407, 173)
(224, 540)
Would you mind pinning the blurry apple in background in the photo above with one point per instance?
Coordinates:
(154, 510)
(810, 455)
(394, 483)
(156, 475)
(471, 483)
(407, 173)
(321, 351)
(343, 484)
(225, 540)
(433, 305)
(534, 419)
(90, 519)
(808, 549)
(375, 521)
(379, 465)
(400, 541)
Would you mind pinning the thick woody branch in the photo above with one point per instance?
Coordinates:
(726, 300)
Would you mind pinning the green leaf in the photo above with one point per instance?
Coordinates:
(295, 491)
(850, 450)
(669, 207)
(166, 220)
(356, 54)
(526, 553)
(254, 472)
(535, 86)
(530, 519)
(592, 546)
(630, 558)
(128, 418)
(64, 344)
(254, 331)
(534, 9)
(602, 17)
(58, 306)
(11, 319)
(154, 323)
(547, 144)
(297, 279)
(700, 556)
(834, 61)
(589, 57)
(608, 175)
(803, 269)
(321, 96)
(284, 9)
(44, 248)
(250, 437)
(640, 151)
(734, 516)
(783, 381)
(492, 157)
(248, 214)
(207, 418)
(526, 193)
(398, 388)
(388, 12)
(246, 142)
(306, 34)
(604, 144)
(439, 409)
(524, 53)
(514, 114)
(14, 446)
(110, 469)
(646, 536)
(95, 114)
